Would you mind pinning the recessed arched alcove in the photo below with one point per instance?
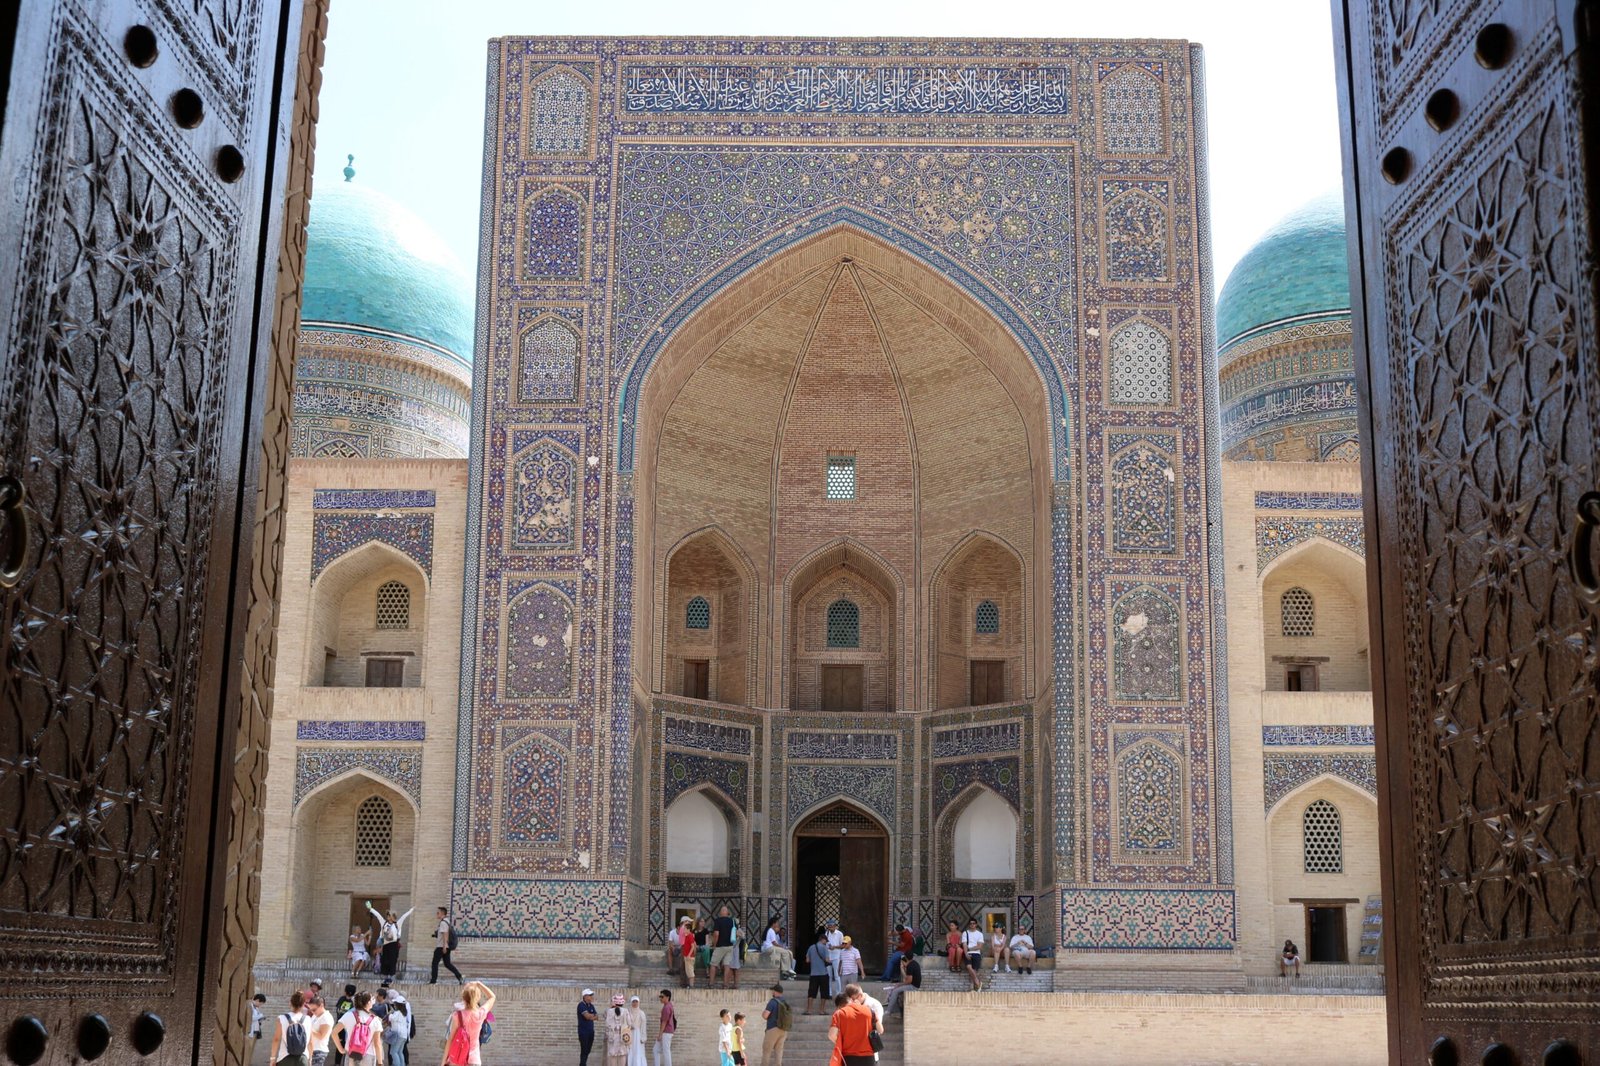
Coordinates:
(843, 352)
(367, 626)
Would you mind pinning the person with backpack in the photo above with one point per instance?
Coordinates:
(290, 1040)
(359, 1034)
(463, 1037)
(396, 1031)
(445, 942)
(780, 1020)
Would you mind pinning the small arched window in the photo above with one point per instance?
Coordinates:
(374, 832)
(1322, 839)
(988, 617)
(1299, 613)
(844, 625)
(697, 615)
(394, 605)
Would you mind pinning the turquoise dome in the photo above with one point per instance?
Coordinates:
(373, 265)
(1298, 268)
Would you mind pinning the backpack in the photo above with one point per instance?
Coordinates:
(294, 1037)
(485, 1030)
(454, 941)
(360, 1036)
(460, 1049)
(785, 1015)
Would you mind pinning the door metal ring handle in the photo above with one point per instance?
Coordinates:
(1580, 555)
(14, 523)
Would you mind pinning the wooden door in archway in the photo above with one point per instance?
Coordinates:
(1472, 168)
(141, 157)
(841, 869)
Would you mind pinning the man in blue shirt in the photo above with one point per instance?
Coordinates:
(817, 963)
(587, 1016)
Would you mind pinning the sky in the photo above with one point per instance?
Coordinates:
(403, 84)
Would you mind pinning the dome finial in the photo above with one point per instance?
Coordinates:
(349, 168)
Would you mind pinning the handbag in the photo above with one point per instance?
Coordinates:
(875, 1039)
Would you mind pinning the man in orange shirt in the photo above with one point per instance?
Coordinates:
(849, 1031)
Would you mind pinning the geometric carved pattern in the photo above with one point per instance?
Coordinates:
(559, 114)
(683, 772)
(1147, 646)
(1278, 533)
(1132, 109)
(1496, 442)
(544, 478)
(1282, 774)
(1137, 245)
(1002, 775)
(538, 645)
(871, 786)
(554, 236)
(374, 832)
(493, 908)
(535, 777)
(335, 535)
(1141, 366)
(1298, 613)
(400, 768)
(547, 362)
(1144, 495)
(1123, 919)
(1322, 838)
(1150, 799)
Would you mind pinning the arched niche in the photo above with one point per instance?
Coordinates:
(356, 636)
(713, 427)
(1289, 882)
(1334, 655)
(830, 671)
(710, 600)
(984, 840)
(699, 837)
(324, 875)
(980, 632)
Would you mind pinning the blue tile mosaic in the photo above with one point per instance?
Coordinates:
(1317, 736)
(371, 499)
(334, 535)
(308, 729)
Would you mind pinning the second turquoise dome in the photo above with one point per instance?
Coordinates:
(372, 264)
(1298, 268)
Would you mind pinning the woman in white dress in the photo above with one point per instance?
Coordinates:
(358, 950)
(637, 1021)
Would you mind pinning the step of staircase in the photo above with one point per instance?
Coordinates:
(808, 1041)
(335, 973)
(942, 980)
(1370, 984)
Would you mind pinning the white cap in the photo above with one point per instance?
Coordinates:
(588, 991)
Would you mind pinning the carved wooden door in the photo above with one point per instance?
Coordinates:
(137, 160)
(1471, 237)
(864, 896)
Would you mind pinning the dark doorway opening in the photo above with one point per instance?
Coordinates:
(988, 681)
(841, 870)
(360, 917)
(1325, 934)
(696, 678)
(841, 689)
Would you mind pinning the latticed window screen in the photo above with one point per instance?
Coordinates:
(697, 615)
(374, 831)
(988, 620)
(394, 605)
(1299, 612)
(844, 625)
(825, 901)
(1323, 839)
(841, 479)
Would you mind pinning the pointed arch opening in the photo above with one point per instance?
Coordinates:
(841, 864)
(1314, 619)
(710, 602)
(980, 635)
(367, 623)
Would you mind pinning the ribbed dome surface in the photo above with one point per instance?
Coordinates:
(1299, 267)
(372, 263)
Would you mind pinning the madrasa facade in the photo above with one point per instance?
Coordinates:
(816, 506)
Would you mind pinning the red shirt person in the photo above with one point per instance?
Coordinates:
(850, 1028)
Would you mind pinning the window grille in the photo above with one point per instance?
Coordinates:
(394, 605)
(844, 625)
(697, 615)
(1323, 839)
(1299, 612)
(841, 479)
(988, 620)
(374, 831)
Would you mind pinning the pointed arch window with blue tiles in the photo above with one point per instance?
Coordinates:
(988, 617)
(844, 625)
(697, 615)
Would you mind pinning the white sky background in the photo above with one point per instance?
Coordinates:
(403, 87)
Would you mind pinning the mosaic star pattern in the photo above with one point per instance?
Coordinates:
(1132, 108)
(1285, 773)
(335, 535)
(1279, 533)
(553, 235)
(560, 112)
(1150, 800)
(1141, 365)
(535, 784)
(547, 363)
(1144, 494)
(399, 767)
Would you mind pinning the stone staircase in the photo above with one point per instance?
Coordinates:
(936, 977)
(334, 972)
(808, 1040)
(1323, 979)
